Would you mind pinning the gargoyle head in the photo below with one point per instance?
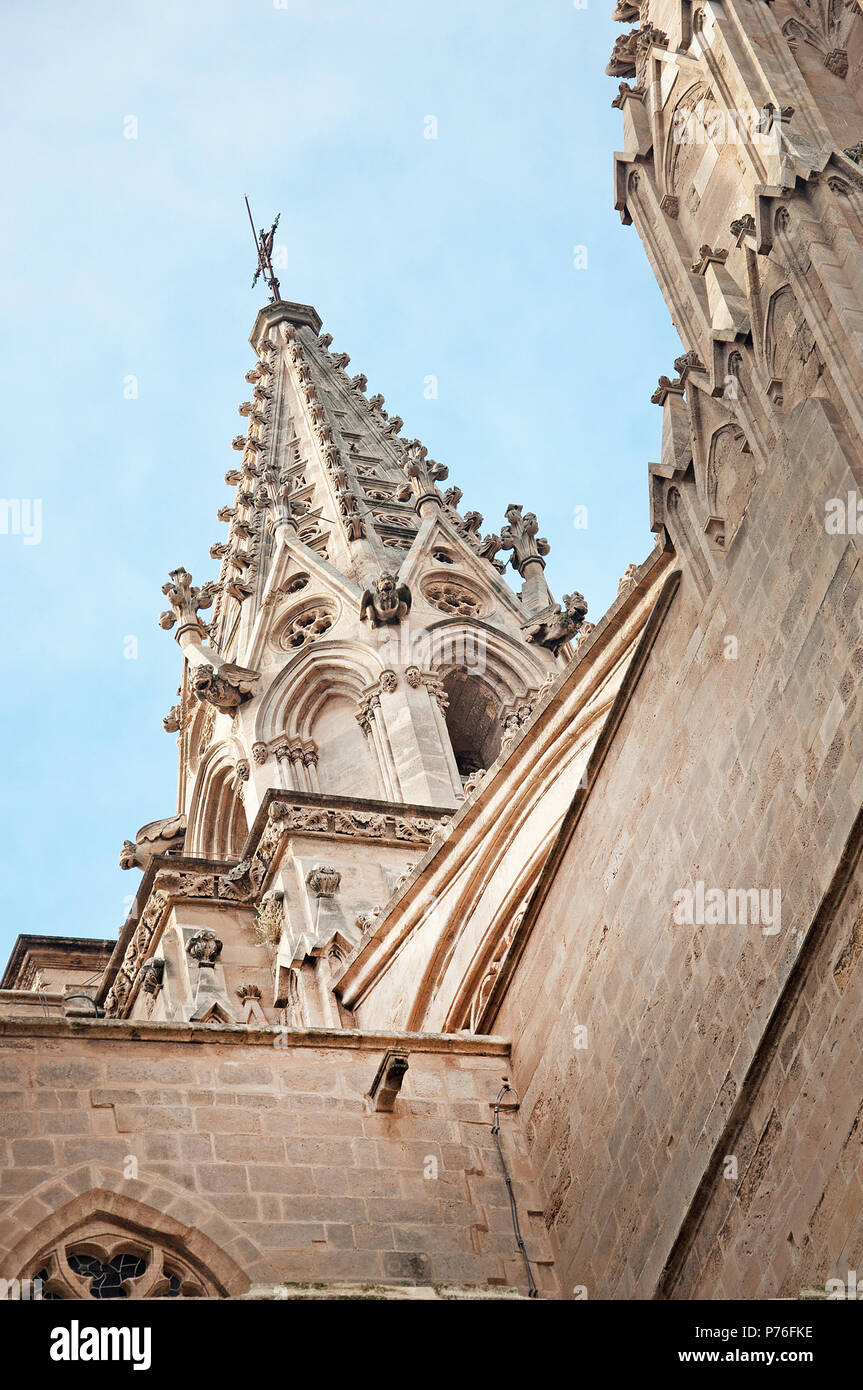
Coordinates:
(576, 606)
(202, 680)
(129, 855)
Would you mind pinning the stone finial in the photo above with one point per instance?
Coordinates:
(742, 227)
(520, 536)
(185, 600)
(422, 474)
(708, 256)
(667, 388)
(204, 947)
(276, 495)
(688, 362)
(323, 880)
(385, 601)
(627, 579)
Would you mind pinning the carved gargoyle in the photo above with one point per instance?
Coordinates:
(165, 836)
(386, 601)
(227, 690)
(556, 625)
(171, 722)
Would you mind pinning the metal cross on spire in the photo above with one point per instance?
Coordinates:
(264, 246)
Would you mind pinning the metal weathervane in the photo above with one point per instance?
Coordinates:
(264, 246)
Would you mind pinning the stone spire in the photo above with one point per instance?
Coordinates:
(361, 665)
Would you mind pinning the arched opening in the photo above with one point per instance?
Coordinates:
(345, 766)
(225, 827)
(217, 820)
(104, 1245)
(473, 720)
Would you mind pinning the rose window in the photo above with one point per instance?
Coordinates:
(453, 598)
(304, 627)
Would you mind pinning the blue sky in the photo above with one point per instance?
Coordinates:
(133, 257)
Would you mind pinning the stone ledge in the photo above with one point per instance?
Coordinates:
(422, 1293)
(241, 1035)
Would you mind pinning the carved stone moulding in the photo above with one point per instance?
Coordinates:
(373, 824)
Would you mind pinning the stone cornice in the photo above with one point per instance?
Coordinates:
(242, 1035)
(69, 952)
(177, 879)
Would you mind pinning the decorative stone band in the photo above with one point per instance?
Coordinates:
(167, 881)
(382, 825)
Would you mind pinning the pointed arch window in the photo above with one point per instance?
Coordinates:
(101, 1261)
